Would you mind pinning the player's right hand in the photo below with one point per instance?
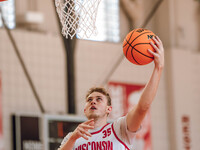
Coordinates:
(159, 52)
(82, 130)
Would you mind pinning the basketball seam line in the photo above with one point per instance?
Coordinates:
(129, 37)
(139, 36)
(132, 49)
(129, 45)
(142, 53)
(134, 57)
(132, 42)
(134, 39)
(128, 40)
(139, 51)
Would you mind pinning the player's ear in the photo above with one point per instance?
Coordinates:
(109, 109)
(84, 111)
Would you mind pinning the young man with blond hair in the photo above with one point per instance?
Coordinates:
(96, 133)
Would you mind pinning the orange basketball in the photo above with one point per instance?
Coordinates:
(135, 46)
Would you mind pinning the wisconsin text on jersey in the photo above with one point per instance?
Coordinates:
(101, 145)
(103, 139)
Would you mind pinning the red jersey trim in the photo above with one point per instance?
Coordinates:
(118, 138)
(100, 129)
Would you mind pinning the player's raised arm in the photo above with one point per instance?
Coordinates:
(80, 131)
(137, 114)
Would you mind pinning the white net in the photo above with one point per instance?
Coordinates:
(77, 17)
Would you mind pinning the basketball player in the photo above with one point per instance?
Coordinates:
(96, 133)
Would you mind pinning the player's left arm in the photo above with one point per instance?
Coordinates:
(137, 114)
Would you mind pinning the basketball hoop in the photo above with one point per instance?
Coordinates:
(77, 17)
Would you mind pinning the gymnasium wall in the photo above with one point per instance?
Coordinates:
(45, 61)
(184, 103)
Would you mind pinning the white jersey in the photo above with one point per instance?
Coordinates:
(112, 136)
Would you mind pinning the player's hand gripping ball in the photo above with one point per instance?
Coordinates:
(136, 45)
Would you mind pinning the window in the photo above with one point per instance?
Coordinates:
(8, 11)
(107, 22)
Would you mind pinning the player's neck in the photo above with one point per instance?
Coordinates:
(100, 122)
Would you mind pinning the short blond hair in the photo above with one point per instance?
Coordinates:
(100, 90)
